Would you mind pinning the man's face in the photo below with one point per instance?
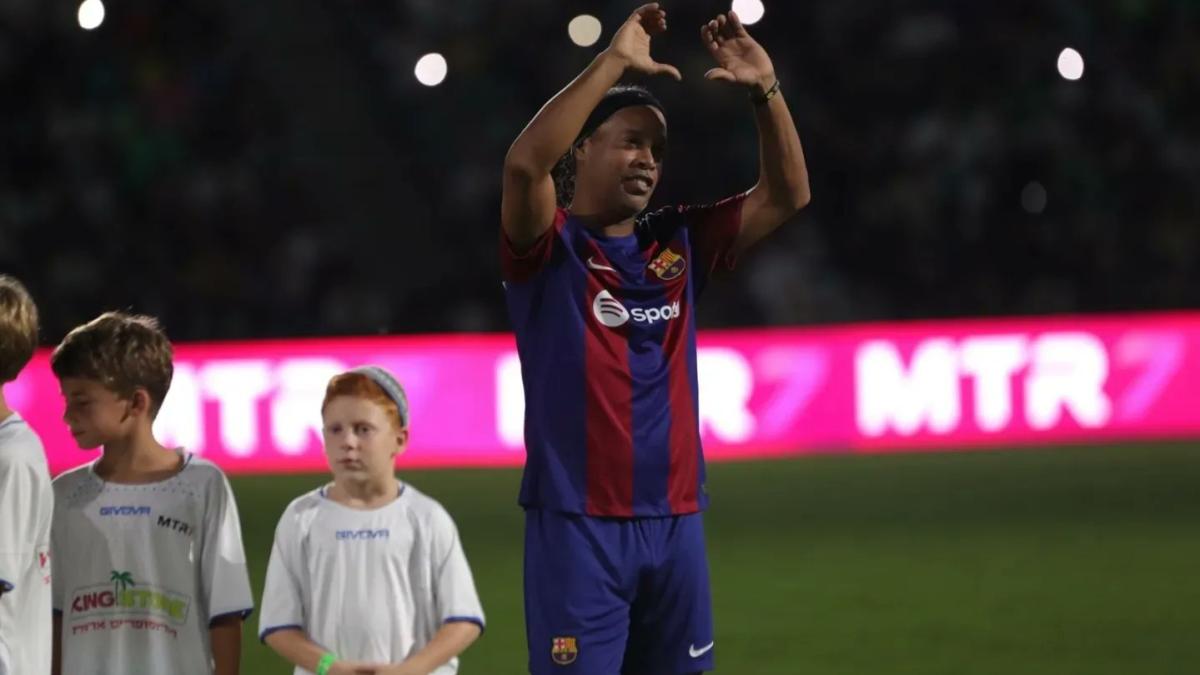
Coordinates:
(618, 166)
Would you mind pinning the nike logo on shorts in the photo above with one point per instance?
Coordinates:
(697, 653)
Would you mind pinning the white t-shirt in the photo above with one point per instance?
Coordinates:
(368, 585)
(26, 509)
(140, 571)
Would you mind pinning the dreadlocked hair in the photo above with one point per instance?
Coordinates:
(563, 174)
(614, 99)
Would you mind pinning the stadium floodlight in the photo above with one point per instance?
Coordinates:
(431, 69)
(91, 14)
(1070, 64)
(584, 30)
(749, 11)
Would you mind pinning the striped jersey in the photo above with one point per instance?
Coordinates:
(606, 334)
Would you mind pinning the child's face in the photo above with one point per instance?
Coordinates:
(95, 414)
(360, 439)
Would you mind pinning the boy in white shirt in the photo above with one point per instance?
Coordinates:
(26, 502)
(149, 570)
(367, 575)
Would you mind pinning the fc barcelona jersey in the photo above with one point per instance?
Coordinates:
(606, 334)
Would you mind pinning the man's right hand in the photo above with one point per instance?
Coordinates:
(631, 44)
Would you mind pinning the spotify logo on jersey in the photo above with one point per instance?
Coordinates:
(610, 312)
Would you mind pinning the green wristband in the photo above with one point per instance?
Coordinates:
(326, 663)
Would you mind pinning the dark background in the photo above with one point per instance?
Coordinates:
(273, 168)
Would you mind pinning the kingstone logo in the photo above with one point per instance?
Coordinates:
(610, 312)
(124, 596)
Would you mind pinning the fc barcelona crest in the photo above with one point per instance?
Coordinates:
(668, 265)
(564, 652)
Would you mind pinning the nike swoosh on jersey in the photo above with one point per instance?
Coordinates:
(697, 653)
(597, 266)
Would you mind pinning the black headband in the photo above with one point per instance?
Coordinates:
(614, 100)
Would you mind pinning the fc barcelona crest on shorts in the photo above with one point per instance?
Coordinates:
(564, 652)
(668, 265)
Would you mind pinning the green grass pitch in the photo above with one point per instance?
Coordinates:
(1081, 560)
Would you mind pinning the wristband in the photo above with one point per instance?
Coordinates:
(326, 663)
(766, 95)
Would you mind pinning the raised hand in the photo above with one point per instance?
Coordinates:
(631, 43)
(740, 59)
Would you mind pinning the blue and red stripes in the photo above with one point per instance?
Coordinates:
(609, 401)
(608, 354)
(683, 444)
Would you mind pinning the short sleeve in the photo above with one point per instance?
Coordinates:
(454, 586)
(283, 591)
(17, 492)
(714, 229)
(225, 581)
(521, 267)
(712, 232)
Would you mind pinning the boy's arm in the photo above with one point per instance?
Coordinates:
(282, 618)
(224, 578)
(293, 645)
(456, 602)
(16, 492)
(56, 647)
(225, 634)
(449, 642)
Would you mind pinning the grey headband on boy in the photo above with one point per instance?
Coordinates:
(390, 386)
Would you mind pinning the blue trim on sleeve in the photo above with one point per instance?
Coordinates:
(466, 619)
(262, 637)
(57, 611)
(243, 613)
(5, 586)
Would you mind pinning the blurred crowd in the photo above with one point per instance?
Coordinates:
(274, 169)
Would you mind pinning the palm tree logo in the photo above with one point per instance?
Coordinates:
(121, 581)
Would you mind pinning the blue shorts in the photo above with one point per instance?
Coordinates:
(615, 596)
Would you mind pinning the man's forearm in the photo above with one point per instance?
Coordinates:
(782, 170)
(552, 131)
